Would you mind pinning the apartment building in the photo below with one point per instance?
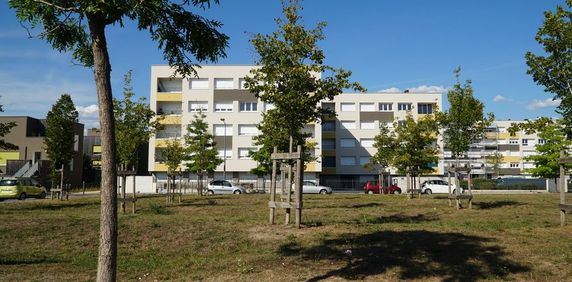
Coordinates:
(30, 158)
(344, 143)
(497, 139)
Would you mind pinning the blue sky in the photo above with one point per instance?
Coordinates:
(386, 44)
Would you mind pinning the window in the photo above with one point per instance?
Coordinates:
(525, 142)
(329, 106)
(247, 130)
(241, 83)
(221, 153)
(347, 142)
(512, 141)
(223, 83)
(196, 106)
(169, 85)
(367, 107)
(348, 161)
(366, 142)
(424, 109)
(367, 125)
(329, 126)
(541, 141)
(223, 107)
(514, 165)
(220, 130)
(329, 144)
(404, 106)
(348, 107)
(363, 160)
(385, 107)
(248, 106)
(199, 83)
(243, 153)
(348, 124)
(328, 161)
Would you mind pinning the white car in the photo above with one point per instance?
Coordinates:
(224, 187)
(438, 186)
(310, 187)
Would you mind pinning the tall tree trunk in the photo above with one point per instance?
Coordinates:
(107, 262)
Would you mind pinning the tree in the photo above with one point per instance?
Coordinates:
(547, 161)
(135, 122)
(494, 160)
(60, 137)
(289, 62)
(554, 69)
(201, 149)
(385, 144)
(5, 129)
(172, 156)
(79, 27)
(465, 121)
(416, 149)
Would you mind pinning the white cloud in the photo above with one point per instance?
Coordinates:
(500, 98)
(390, 90)
(89, 111)
(427, 89)
(540, 104)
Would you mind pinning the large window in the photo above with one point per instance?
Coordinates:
(347, 142)
(328, 144)
(221, 153)
(248, 106)
(385, 107)
(247, 130)
(243, 153)
(346, 161)
(348, 124)
(220, 130)
(424, 108)
(329, 126)
(223, 107)
(223, 83)
(196, 106)
(199, 83)
(348, 107)
(404, 106)
(328, 161)
(367, 125)
(363, 160)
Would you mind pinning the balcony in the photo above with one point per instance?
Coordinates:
(172, 119)
(169, 97)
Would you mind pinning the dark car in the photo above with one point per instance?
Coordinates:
(371, 187)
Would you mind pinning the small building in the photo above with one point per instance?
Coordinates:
(30, 159)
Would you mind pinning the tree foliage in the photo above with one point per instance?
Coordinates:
(173, 155)
(553, 69)
(546, 162)
(416, 146)
(60, 137)
(79, 27)
(494, 161)
(465, 120)
(385, 143)
(135, 122)
(4, 130)
(290, 65)
(201, 147)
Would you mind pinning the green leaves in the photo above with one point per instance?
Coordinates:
(60, 139)
(201, 151)
(553, 70)
(416, 146)
(173, 154)
(289, 78)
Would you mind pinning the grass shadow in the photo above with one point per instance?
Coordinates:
(60, 205)
(397, 218)
(24, 261)
(413, 254)
(496, 204)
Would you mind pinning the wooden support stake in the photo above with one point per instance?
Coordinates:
(449, 182)
(299, 183)
(562, 186)
(273, 190)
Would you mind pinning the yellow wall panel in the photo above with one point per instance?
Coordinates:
(8, 155)
(169, 97)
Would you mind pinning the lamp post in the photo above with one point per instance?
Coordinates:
(224, 152)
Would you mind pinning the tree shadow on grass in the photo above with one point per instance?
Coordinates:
(496, 204)
(60, 205)
(415, 255)
(396, 218)
(23, 261)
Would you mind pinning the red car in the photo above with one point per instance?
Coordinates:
(371, 187)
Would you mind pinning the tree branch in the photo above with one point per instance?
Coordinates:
(74, 9)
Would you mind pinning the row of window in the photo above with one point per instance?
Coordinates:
(176, 85)
(422, 108)
(351, 124)
(243, 153)
(222, 107)
(525, 141)
(330, 144)
(243, 129)
(345, 161)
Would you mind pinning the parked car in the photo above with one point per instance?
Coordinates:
(371, 187)
(438, 186)
(310, 187)
(224, 187)
(21, 188)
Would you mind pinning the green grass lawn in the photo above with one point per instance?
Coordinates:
(352, 236)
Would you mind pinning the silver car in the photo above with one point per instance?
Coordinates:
(310, 187)
(224, 187)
